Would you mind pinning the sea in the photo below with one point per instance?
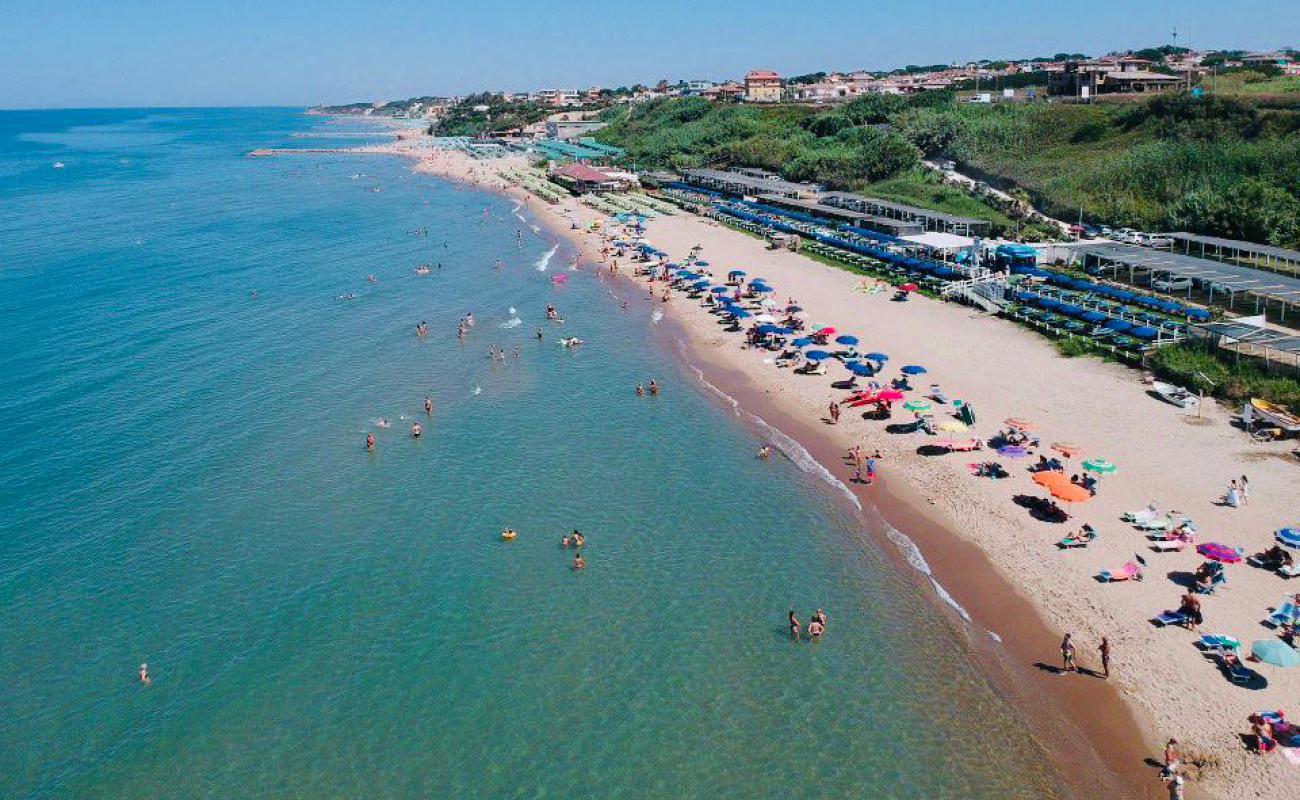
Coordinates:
(194, 345)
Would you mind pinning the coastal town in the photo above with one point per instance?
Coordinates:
(1109, 339)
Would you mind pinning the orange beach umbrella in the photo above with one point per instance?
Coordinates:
(1051, 479)
(1071, 493)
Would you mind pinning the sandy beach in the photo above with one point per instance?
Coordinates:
(997, 561)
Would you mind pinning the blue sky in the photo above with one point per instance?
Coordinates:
(55, 53)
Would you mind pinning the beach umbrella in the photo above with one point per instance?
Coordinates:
(737, 273)
(909, 287)
(793, 309)
(1219, 552)
(1019, 424)
(740, 313)
(825, 330)
(1289, 537)
(954, 425)
(861, 370)
(765, 318)
(1070, 492)
(1050, 478)
(890, 395)
(912, 369)
(768, 328)
(802, 341)
(816, 355)
(1067, 449)
(701, 263)
(1275, 652)
(876, 357)
(917, 405)
(1013, 451)
(849, 340)
(1100, 466)
(720, 289)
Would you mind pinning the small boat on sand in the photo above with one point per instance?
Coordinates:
(1275, 415)
(1183, 398)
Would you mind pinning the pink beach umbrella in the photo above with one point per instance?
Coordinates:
(1219, 552)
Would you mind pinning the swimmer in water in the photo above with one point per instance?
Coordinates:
(764, 452)
(416, 430)
(794, 625)
(578, 561)
(144, 675)
(654, 388)
(578, 539)
(428, 406)
(625, 306)
(372, 279)
(370, 441)
(640, 390)
(383, 422)
(539, 334)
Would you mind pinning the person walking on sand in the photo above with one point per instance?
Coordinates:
(1104, 649)
(1067, 654)
(1171, 756)
(835, 412)
(1244, 490)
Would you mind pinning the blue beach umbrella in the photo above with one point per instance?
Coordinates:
(802, 341)
(768, 328)
(1092, 316)
(876, 357)
(858, 368)
(1275, 652)
(849, 340)
(720, 289)
(1289, 537)
(816, 355)
(912, 369)
(741, 313)
(784, 331)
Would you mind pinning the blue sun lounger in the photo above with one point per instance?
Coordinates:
(1285, 614)
(1169, 618)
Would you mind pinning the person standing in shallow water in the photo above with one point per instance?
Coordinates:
(794, 625)
(1067, 654)
(428, 406)
(1104, 649)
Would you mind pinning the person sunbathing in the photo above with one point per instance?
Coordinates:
(1274, 558)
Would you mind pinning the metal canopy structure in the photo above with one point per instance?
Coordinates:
(933, 220)
(1265, 256)
(1218, 276)
(895, 227)
(740, 183)
(1246, 339)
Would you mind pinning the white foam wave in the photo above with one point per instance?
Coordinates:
(806, 462)
(545, 261)
(656, 316)
(513, 322)
(535, 229)
(477, 390)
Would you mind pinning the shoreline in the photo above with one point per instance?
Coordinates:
(1025, 603)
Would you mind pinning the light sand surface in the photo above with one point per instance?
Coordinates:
(1164, 454)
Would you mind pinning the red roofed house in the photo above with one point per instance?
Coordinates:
(762, 86)
(582, 178)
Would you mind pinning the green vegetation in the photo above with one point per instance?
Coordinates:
(463, 120)
(1175, 162)
(1236, 382)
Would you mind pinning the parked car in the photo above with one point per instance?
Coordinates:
(1159, 241)
(1125, 235)
(1106, 230)
(1093, 231)
(1171, 283)
(1077, 230)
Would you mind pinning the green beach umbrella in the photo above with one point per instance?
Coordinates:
(1100, 466)
(1275, 652)
(916, 405)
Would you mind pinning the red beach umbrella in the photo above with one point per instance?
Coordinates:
(909, 287)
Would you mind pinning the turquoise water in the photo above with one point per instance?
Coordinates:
(185, 483)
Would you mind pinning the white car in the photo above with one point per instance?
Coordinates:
(1171, 283)
(1157, 241)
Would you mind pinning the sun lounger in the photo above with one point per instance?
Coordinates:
(1169, 618)
(1218, 580)
(1145, 515)
(1167, 545)
(1218, 641)
(1081, 539)
(1289, 571)
(1130, 571)
(1237, 672)
(1153, 524)
(1285, 614)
